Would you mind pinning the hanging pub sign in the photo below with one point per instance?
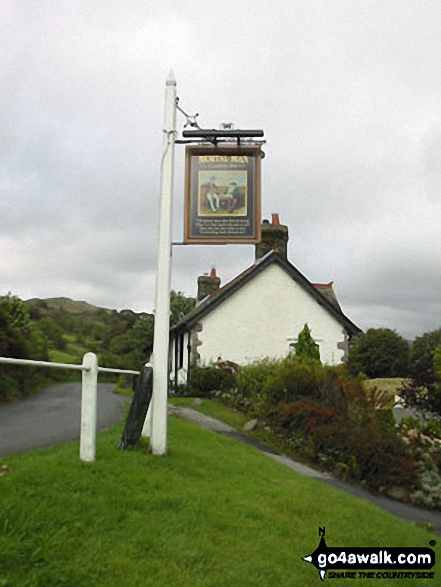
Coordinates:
(222, 195)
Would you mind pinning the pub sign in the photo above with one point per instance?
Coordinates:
(222, 194)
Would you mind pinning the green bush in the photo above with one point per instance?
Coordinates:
(424, 443)
(327, 417)
(369, 451)
(269, 381)
(306, 348)
(204, 380)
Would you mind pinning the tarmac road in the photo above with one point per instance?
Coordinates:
(53, 417)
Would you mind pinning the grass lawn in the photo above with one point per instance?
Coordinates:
(236, 419)
(391, 385)
(214, 512)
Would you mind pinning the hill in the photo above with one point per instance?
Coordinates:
(121, 339)
(48, 305)
(62, 330)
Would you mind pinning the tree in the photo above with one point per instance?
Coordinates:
(421, 357)
(437, 363)
(379, 352)
(180, 306)
(305, 347)
(19, 338)
(423, 389)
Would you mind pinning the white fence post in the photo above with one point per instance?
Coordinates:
(88, 407)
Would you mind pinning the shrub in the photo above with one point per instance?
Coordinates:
(253, 380)
(204, 380)
(270, 381)
(329, 418)
(305, 347)
(424, 442)
(367, 450)
(426, 399)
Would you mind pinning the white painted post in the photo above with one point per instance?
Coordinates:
(88, 407)
(158, 436)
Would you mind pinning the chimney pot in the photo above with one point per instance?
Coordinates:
(275, 220)
(213, 272)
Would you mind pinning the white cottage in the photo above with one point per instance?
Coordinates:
(260, 313)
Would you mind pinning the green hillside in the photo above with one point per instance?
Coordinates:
(63, 330)
(49, 305)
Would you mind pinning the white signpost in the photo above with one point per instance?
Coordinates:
(155, 425)
(158, 432)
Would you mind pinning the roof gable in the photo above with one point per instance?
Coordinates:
(323, 294)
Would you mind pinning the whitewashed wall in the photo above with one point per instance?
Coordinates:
(263, 318)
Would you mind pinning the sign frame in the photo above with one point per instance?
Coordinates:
(213, 217)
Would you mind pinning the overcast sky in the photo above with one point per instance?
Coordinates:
(348, 93)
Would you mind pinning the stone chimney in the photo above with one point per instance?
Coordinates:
(207, 284)
(274, 238)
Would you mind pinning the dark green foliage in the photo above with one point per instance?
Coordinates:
(423, 390)
(19, 339)
(53, 332)
(180, 306)
(422, 368)
(130, 349)
(437, 362)
(379, 352)
(305, 347)
(288, 379)
(204, 380)
(427, 398)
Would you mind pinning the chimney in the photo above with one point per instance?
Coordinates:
(207, 284)
(274, 238)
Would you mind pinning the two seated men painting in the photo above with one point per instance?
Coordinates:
(216, 200)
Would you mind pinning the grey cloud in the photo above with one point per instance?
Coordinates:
(348, 96)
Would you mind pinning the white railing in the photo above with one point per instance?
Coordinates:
(90, 370)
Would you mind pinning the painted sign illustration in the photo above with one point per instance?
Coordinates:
(222, 195)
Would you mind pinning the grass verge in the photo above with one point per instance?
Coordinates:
(214, 512)
(392, 384)
(236, 419)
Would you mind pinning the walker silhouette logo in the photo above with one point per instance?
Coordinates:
(370, 563)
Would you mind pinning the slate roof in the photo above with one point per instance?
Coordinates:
(322, 293)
